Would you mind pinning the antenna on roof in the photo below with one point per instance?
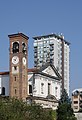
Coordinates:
(61, 35)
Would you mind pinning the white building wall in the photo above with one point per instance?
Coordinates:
(37, 91)
(55, 52)
(66, 67)
(30, 82)
(56, 92)
(44, 80)
(4, 82)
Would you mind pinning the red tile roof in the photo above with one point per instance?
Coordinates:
(29, 70)
(33, 70)
(4, 73)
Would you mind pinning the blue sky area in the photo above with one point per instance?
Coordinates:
(41, 17)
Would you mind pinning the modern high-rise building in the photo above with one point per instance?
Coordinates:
(54, 49)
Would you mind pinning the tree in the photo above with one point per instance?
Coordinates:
(64, 98)
(14, 109)
(36, 112)
(64, 110)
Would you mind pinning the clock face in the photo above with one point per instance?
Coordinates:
(24, 60)
(15, 60)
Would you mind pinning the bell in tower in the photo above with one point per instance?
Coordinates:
(15, 48)
(24, 49)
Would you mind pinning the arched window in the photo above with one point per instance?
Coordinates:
(15, 78)
(3, 90)
(15, 91)
(15, 48)
(30, 89)
(24, 48)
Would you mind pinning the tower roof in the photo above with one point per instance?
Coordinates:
(18, 34)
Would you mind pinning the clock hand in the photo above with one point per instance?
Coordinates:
(14, 59)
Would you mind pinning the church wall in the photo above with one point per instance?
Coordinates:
(42, 91)
(4, 82)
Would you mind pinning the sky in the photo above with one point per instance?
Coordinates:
(41, 17)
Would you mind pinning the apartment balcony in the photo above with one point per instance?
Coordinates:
(80, 94)
(35, 56)
(51, 60)
(51, 44)
(51, 53)
(35, 65)
(51, 57)
(36, 61)
(35, 45)
(51, 49)
(35, 51)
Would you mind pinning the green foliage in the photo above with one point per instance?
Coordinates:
(64, 111)
(13, 109)
(64, 98)
(80, 110)
(54, 114)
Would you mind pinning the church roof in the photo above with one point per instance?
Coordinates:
(18, 34)
(4, 73)
(33, 70)
(28, 70)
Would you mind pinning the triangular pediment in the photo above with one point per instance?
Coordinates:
(49, 71)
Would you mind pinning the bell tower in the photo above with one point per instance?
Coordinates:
(18, 65)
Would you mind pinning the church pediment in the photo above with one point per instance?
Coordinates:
(50, 70)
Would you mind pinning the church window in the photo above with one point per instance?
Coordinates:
(23, 48)
(56, 91)
(30, 89)
(49, 88)
(3, 90)
(15, 78)
(42, 88)
(15, 67)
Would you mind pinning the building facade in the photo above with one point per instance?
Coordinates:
(77, 100)
(44, 82)
(54, 49)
